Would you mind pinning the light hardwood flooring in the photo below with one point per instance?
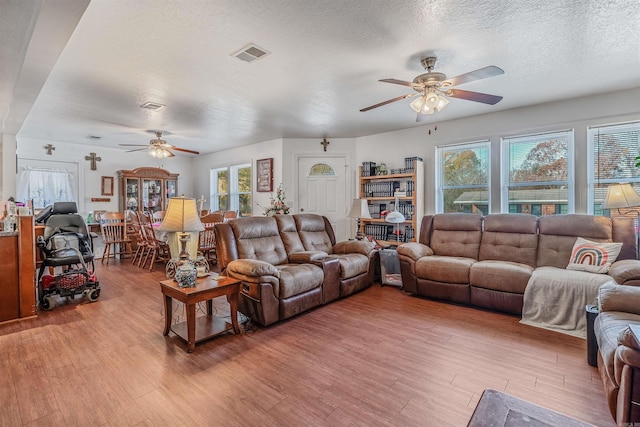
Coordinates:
(378, 358)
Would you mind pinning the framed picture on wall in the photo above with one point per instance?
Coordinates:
(107, 186)
(264, 173)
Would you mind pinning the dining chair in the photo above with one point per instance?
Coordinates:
(158, 248)
(229, 215)
(114, 236)
(158, 216)
(140, 240)
(207, 238)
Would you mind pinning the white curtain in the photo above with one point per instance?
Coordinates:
(45, 186)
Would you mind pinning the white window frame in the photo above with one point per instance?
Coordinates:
(234, 193)
(506, 142)
(440, 169)
(592, 180)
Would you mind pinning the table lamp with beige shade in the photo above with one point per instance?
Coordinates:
(621, 196)
(359, 209)
(182, 219)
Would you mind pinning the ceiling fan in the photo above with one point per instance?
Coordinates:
(159, 147)
(433, 89)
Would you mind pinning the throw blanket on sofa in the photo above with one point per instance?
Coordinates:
(555, 299)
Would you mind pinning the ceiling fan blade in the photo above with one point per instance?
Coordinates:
(389, 101)
(138, 149)
(422, 118)
(134, 145)
(482, 73)
(170, 153)
(401, 82)
(473, 96)
(184, 150)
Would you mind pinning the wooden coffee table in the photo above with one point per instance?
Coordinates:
(197, 329)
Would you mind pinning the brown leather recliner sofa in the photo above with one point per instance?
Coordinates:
(619, 350)
(487, 261)
(290, 263)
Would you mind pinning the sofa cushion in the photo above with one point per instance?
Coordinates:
(312, 232)
(503, 276)
(363, 247)
(445, 269)
(352, 265)
(289, 233)
(558, 233)
(456, 235)
(259, 238)
(608, 327)
(296, 279)
(510, 237)
(593, 257)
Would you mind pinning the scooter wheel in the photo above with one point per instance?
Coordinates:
(48, 303)
(93, 295)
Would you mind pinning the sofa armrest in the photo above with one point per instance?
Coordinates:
(307, 257)
(614, 297)
(252, 268)
(355, 246)
(626, 272)
(629, 339)
(414, 250)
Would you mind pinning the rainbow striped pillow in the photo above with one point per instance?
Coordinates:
(594, 257)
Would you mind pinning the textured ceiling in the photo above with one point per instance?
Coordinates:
(326, 59)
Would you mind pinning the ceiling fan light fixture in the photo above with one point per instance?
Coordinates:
(432, 99)
(442, 102)
(417, 104)
(159, 152)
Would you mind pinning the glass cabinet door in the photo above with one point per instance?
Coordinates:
(132, 194)
(152, 195)
(171, 190)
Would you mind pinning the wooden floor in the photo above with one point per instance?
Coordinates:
(380, 357)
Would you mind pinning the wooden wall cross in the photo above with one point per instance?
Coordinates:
(93, 159)
(324, 143)
(49, 149)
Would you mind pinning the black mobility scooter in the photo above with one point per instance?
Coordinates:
(67, 253)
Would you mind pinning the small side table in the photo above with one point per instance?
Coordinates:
(198, 329)
(592, 343)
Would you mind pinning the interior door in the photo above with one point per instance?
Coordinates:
(322, 189)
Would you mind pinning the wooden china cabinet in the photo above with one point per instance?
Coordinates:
(146, 189)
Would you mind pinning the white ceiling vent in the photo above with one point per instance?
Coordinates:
(152, 106)
(251, 53)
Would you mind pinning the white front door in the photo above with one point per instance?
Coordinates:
(322, 189)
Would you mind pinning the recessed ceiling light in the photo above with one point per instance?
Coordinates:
(251, 53)
(152, 106)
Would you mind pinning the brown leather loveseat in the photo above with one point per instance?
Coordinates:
(290, 263)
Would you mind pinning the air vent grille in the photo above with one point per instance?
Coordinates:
(152, 106)
(251, 53)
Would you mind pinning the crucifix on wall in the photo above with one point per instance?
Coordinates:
(93, 159)
(50, 148)
(324, 143)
